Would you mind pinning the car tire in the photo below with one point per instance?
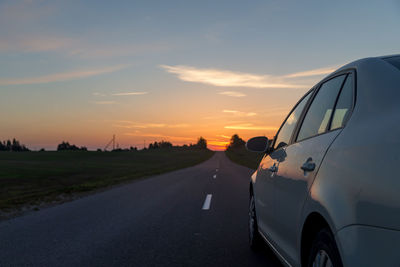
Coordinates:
(255, 240)
(324, 251)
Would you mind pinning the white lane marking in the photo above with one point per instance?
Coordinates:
(216, 170)
(207, 202)
(215, 176)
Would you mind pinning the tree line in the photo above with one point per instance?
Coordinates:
(15, 145)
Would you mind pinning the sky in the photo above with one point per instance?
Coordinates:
(81, 71)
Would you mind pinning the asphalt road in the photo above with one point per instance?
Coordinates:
(158, 221)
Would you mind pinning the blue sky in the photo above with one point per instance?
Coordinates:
(151, 70)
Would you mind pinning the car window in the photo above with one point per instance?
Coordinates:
(344, 104)
(320, 111)
(285, 133)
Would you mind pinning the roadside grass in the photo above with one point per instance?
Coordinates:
(31, 178)
(244, 157)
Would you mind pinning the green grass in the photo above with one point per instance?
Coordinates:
(36, 177)
(244, 157)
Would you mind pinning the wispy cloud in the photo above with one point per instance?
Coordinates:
(98, 94)
(104, 102)
(239, 113)
(36, 44)
(226, 78)
(73, 47)
(90, 51)
(145, 125)
(249, 126)
(63, 76)
(130, 93)
(315, 72)
(232, 93)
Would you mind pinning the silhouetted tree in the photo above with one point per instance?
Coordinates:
(9, 146)
(236, 142)
(162, 144)
(13, 145)
(66, 146)
(201, 143)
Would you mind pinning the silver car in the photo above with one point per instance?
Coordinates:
(327, 191)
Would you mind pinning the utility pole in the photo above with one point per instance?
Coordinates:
(113, 140)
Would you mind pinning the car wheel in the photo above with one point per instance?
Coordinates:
(324, 252)
(254, 235)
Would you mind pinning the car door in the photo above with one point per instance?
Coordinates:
(264, 185)
(319, 128)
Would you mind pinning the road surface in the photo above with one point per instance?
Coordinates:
(191, 217)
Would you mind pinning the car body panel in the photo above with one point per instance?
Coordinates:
(366, 246)
(292, 186)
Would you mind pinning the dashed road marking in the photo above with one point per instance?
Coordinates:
(207, 202)
(215, 176)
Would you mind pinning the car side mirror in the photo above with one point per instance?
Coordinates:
(258, 144)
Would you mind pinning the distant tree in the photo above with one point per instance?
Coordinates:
(8, 145)
(201, 143)
(13, 145)
(99, 150)
(42, 150)
(66, 146)
(162, 144)
(236, 142)
(133, 148)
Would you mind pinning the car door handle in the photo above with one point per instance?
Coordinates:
(273, 168)
(308, 166)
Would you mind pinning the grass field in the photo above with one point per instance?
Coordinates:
(37, 177)
(244, 157)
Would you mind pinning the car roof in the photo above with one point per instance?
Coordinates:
(363, 62)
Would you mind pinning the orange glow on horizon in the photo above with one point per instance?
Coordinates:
(217, 145)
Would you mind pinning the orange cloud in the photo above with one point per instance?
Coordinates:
(129, 93)
(144, 125)
(239, 113)
(249, 126)
(232, 93)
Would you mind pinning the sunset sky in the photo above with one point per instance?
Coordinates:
(146, 71)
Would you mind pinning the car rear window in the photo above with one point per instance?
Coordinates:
(395, 61)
